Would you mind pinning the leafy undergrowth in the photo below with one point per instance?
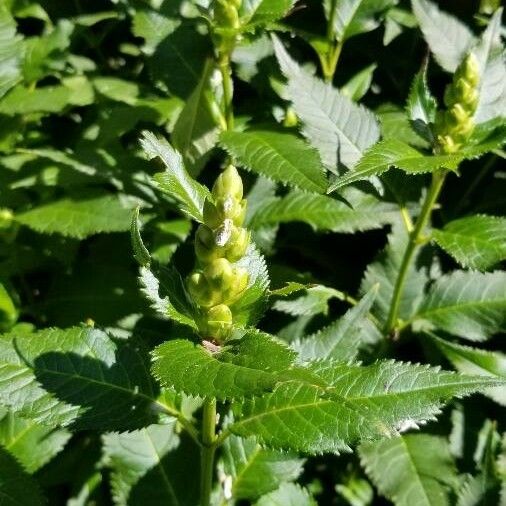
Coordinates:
(323, 325)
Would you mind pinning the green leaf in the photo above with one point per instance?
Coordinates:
(314, 301)
(255, 470)
(196, 130)
(253, 301)
(165, 289)
(279, 156)
(262, 12)
(47, 99)
(391, 152)
(359, 403)
(152, 465)
(79, 218)
(492, 84)
(340, 129)
(250, 367)
(470, 360)
(352, 17)
(413, 469)
(340, 340)
(384, 270)
(422, 106)
(11, 53)
(141, 254)
(471, 305)
(288, 494)
(153, 27)
(75, 376)
(117, 89)
(17, 488)
(175, 180)
(179, 59)
(32, 445)
(448, 38)
(359, 84)
(364, 211)
(477, 242)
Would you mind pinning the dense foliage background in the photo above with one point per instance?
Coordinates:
(81, 80)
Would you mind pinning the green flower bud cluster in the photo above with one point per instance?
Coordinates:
(219, 242)
(226, 24)
(455, 124)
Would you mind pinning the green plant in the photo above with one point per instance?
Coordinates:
(306, 268)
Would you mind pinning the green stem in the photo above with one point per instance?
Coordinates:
(208, 451)
(228, 89)
(329, 61)
(413, 242)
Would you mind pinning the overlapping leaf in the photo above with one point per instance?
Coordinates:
(471, 305)
(340, 129)
(477, 242)
(75, 376)
(279, 156)
(413, 469)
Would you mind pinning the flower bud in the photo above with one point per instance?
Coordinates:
(225, 14)
(218, 322)
(212, 217)
(200, 290)
(228, 183)
(205, 247)
(238, 244)
(219, 274)
(241, 278)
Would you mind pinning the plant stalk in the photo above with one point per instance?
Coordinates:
(207, 452)
(413, 243)
(228, 89)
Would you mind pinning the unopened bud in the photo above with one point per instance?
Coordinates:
(200, 291)
(238, 244)
(219, 274)
(218, 322)
(228, 183)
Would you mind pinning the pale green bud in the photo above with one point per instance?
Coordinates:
(212, 217)
(238, 244)
(201, 291)
(228, 183)
(205, 246)
(225, 14)
(218, 322)
(220, 274)
(241, 278)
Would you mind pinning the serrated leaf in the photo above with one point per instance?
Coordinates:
(253, 301)
(422, 106)
(261, 12)
(288, 494)
(394, 153)
(477, 242)
(255, 470)
(352, 17)
(449, 39)
(196, 130)
(17, 488)
(359, 403)
(76, 376)
(175, 180)
(32, 445)
(152, 465)
(11, 52)
(471, 305)
(492, 84)
(384, 270)
(314, 301)
(340, 340)
(153, 27)
(340, 129)
(250, 367)
(413, 469)
(79, 218)
(364, 211)
(279, 156)
(141, 254)
(166, 292)
(470, 360)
